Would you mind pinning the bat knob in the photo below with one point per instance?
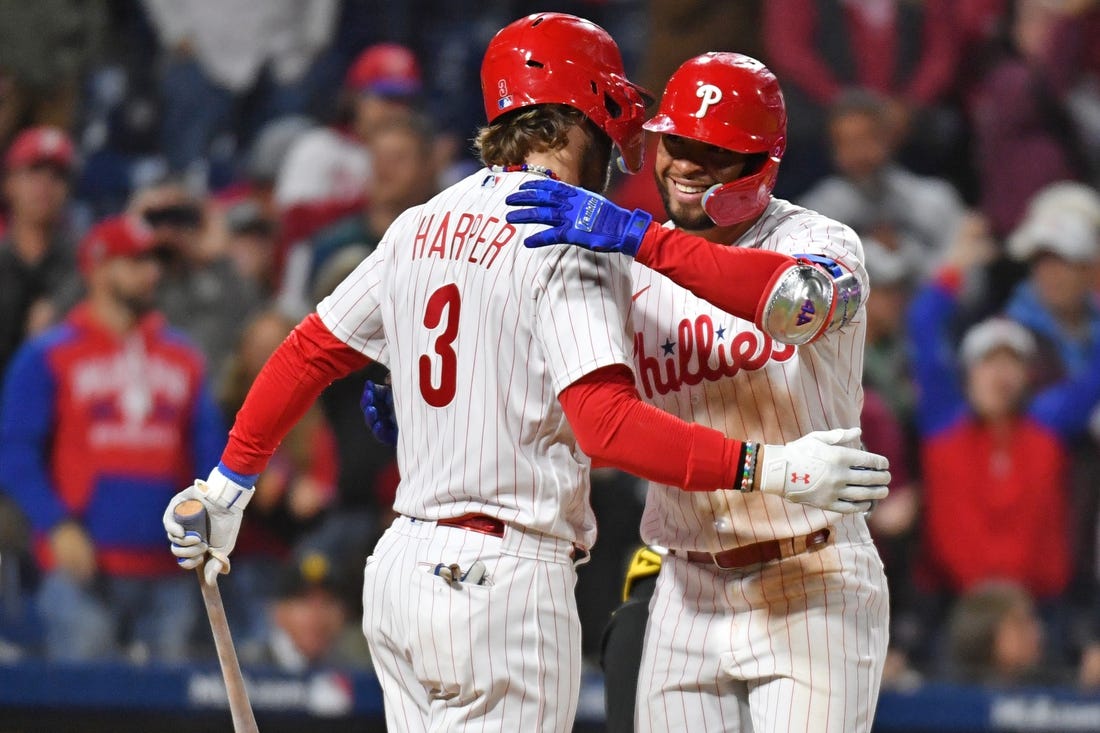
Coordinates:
(191, 515)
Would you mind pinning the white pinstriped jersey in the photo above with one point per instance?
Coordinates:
(707, 366)
(481, 334)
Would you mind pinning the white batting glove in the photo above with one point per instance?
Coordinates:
(224, 500)
(819, 471)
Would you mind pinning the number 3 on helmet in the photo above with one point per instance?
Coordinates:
(556, 58)
(734, 102)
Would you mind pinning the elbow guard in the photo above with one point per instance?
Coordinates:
(814, 297)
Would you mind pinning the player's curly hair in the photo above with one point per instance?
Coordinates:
(512, 137)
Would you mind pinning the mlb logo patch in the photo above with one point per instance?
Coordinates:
(504, 102)
(490, 181)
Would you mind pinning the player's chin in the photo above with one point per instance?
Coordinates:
(691, 219)
(685, 212)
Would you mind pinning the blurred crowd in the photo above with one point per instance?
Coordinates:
(183, 180)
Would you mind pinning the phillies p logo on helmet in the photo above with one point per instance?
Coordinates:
(710, 94)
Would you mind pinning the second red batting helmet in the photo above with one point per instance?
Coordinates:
(732, 101)
(555, 58)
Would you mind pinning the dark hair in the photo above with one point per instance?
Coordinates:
(514, 136)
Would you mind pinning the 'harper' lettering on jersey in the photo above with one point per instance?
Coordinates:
(700, 353)
(474, 237)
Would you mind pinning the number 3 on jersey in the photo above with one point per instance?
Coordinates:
(446, 298)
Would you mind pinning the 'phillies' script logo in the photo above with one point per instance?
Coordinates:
(702, 353)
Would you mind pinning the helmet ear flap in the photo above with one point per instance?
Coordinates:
(743, 198)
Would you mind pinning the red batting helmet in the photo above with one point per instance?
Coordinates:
(555, 58)
(732, 101)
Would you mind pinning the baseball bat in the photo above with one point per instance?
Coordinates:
(192, 515)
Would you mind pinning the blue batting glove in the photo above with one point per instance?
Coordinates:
(577, 216)
(377, 406)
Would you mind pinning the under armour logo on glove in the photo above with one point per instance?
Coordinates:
(843, 479)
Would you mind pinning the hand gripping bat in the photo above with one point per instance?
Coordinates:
(192, 515)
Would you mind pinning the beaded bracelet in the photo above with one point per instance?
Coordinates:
(748, 469)
(525, 168)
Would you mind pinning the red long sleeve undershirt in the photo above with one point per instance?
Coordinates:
(611, 423)
(307, 362)
(734, 279)
(615, 428)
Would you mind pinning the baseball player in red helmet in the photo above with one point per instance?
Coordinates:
(511, 375)
(770, 609)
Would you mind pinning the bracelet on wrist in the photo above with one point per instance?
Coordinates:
(749, 453)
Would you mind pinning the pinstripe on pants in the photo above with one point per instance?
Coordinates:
(795, 645)
(499, 657)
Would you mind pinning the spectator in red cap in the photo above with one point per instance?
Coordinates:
(325, 173)
(100, 418)
(36, 260)
(384, 79)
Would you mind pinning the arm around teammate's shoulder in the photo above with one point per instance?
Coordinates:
(734, 279)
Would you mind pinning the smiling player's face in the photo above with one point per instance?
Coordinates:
(684, 170)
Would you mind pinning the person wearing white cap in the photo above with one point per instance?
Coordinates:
(1060, 241)
(993, 472)
(1059, 238)
(994, 440)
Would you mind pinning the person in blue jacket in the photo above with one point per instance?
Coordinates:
(1003, 417)
(101, 418)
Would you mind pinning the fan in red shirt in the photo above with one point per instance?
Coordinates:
(995, 480)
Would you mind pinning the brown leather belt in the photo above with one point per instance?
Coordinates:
(759, 553)
(475, 523)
